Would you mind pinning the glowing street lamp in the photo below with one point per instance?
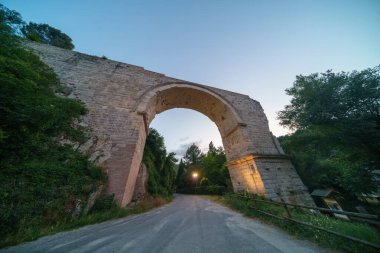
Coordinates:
(195, 175)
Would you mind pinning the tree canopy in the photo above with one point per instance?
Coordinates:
(193, 155)
(160, 165)
(46, 34)
(211, 167)
(40, 178)
(336, 119)
(43, 33)
(11, 20)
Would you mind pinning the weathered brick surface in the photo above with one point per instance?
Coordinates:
(141, 184)
(123, 99)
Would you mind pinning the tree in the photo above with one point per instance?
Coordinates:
(13, 24)
(181, 174)
(168, 172)
(214, 167)
(331, 98)
(211, 148)
(46, 34)
(193, 155)
(336, 118)
(11, 20)
(211, 168)
(160, 165)
(39, 176)
(192, 163)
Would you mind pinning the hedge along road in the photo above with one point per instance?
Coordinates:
(188, 224)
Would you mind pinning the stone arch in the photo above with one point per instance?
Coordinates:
(189, 96)
(153, 93)
(122, 100)
(249, 147)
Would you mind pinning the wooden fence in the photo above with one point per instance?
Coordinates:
(368, 218)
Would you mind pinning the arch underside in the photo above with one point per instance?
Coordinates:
(183, 95)
(207, 102)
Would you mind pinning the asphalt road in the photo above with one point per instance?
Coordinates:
(188, 224)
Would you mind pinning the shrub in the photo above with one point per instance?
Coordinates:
(104, 203)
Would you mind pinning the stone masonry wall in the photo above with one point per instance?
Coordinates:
(141, 184)
(123, 99)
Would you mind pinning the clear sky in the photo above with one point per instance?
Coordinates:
(251, 47)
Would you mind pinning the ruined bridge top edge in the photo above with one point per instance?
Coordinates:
(49, 49)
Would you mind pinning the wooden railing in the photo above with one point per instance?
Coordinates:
(368, 218)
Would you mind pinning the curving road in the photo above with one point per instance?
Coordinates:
(188, 224)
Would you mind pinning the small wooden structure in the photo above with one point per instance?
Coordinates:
(328, 198)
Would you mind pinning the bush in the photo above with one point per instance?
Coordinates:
(41, 180)
(356, 229)
(104, 203)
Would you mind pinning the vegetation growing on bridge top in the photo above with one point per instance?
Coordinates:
(42, 33)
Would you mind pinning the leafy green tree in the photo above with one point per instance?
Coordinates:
(336, 118)
(46, 34)
(204, 181)
(168, 175)
(193, 163)
(211, 148)
(181, 175)
(193, 155)
(11, 21)
(211, 167)
(214, 167)
(39, 177)
(160, 165)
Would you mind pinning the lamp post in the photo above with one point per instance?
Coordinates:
(195, 176)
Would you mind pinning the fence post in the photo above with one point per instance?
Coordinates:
(253, 201)
(286, 208)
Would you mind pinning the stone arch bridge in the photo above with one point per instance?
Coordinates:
(123, 99)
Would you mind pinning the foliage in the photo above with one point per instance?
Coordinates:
(211, 168)
(46, 34)
(160, 165)
(193, 155)
(11, 20)
(355, 229)
(40, 178)
(337, 121)
(43, 33)
(42, 181)
(214, 167)
(181, 175)
(330, 98)
(104, 203)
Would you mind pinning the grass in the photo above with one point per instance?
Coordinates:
(34, 232)
(356, 229)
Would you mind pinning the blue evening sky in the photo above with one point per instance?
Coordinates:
(251, 47)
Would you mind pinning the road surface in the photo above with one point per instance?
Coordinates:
(188, 224)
